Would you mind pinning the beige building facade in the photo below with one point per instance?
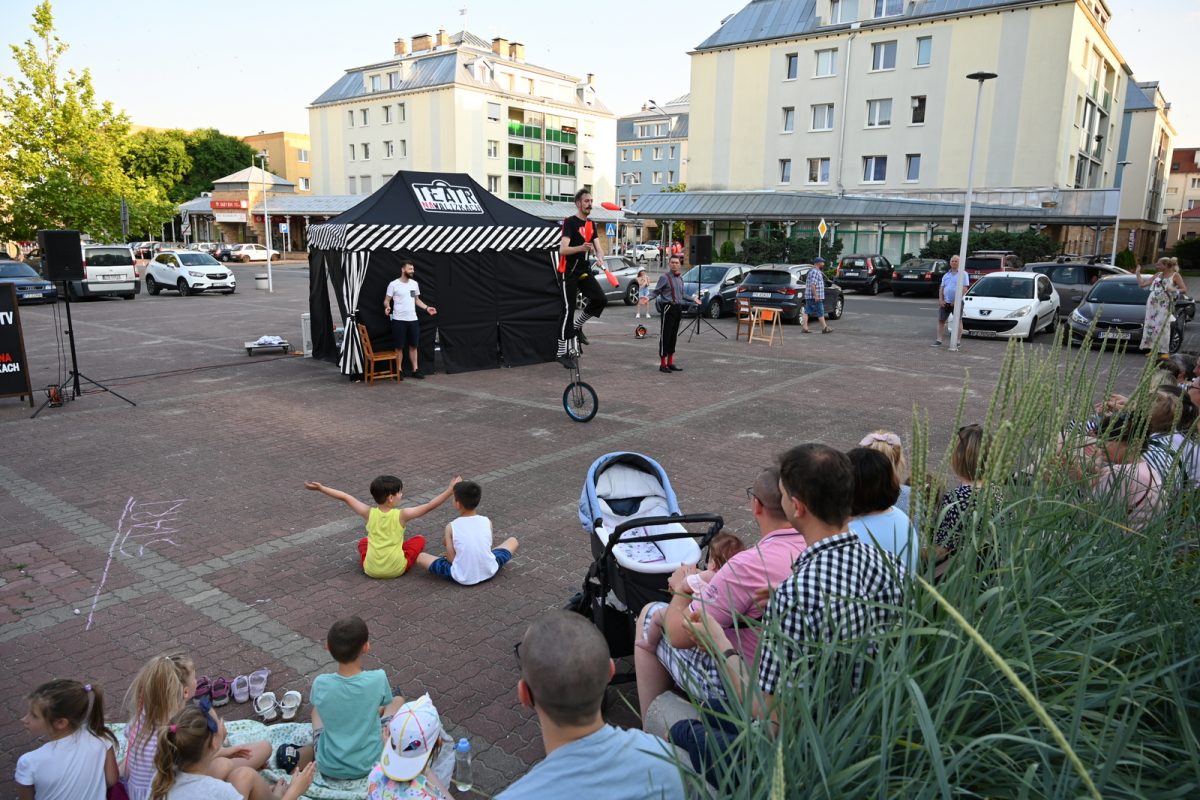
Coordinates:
(289, 155)
(1146, 144)
(461, 104)
(1183, 195)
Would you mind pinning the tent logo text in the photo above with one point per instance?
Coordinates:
(442, 198)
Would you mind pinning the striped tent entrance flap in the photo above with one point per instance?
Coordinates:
(432, 238)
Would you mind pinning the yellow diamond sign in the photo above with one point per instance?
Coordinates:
(822, 229)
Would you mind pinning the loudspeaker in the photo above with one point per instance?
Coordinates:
(700, 250)
(62, 255)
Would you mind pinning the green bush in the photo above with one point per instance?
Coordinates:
(796, 250)
(1029, 246)
(1057, 658)
(1126, 259)
(728, 251)
(1188, 253)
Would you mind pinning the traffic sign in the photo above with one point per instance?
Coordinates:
(283, 227)
(610, 229)
(822, 229)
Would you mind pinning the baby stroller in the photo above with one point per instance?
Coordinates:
(638, 537)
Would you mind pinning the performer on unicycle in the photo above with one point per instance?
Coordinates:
(577, 243)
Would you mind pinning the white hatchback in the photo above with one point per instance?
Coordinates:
(251, 252)
(188, 273)
(1014, 304)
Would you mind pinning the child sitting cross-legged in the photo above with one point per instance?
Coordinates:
(77, 762)
(469, 558)
(383, 552)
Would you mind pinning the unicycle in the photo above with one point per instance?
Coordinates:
(579, 399)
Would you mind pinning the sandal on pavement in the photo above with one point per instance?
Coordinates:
(265, 706)
(805, 330)
(241, 689)
(258, 682)
(290, 704)
(220, 691)
(203, 687)
(826, 330)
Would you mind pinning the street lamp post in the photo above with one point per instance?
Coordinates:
(266, 218)
(1117, 221)
(981, 77)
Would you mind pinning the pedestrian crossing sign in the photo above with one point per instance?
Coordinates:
(610, 230)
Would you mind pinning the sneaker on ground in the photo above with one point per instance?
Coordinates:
(936, 343)
(579, 335)
(665, 369)
(417, 374)
(674, 368)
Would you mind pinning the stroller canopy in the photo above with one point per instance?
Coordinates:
(644, 477)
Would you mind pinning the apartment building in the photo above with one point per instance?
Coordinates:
(457, 103)
(652, 149)
(1183, 195)
(288, 156)
(1147, 137)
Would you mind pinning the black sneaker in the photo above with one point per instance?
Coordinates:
(417, 374)
(579, 335)
(674, 368)
(665, 369)
(568, 361)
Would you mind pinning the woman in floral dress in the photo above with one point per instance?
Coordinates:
(1164, 285)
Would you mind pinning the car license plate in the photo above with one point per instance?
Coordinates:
(760, 294)
(34, 294)
(984, 334)
(911, 277)
(849, 273)
(110, 277)
(1116, 335)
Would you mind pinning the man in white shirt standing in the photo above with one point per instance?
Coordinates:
(400, 304)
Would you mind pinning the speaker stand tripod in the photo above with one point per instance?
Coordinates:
(694, 327)
(75, 375)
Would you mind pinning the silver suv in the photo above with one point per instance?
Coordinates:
(108, 271)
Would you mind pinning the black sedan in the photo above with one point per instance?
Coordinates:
(1118, 306)
(784, 288)
(919, 276)
(31, 287)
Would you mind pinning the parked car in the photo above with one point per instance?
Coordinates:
(223, 252)
(31, 287)
(188, 273)
(782, 287)
(717, 286)
(866, 273)
(1118, 306)
(251, 252)
(646, 251)
(985, 262)
(1013, 304)
(1073, 280)
(919, 276)
(108, 271)
(625, 272)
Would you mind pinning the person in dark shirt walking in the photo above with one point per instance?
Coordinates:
(577, 243)
(670, 289)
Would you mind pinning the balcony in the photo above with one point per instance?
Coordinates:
(562, 137)
(553, 168)
(524, 196)
(516, 129)
(524, 165)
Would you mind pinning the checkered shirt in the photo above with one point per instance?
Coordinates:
(823, 601)
(814, 285)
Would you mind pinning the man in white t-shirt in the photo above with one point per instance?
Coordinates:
(401, 302)
(469, 558)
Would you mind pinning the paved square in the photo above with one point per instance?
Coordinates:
(183, 524)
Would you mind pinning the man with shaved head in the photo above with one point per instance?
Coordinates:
(565, 668)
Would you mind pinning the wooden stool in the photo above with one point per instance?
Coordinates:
(758, 332)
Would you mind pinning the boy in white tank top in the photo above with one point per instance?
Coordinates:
(470, 557)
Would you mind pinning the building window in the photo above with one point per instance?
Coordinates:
(305, 184)
(376, 83)
(818, 170)
(493, 150)
(364, 182)
(528, 85)
(924, 51)
(651, 130)
(822, 117)
(387, 115)
(624, 153)
(883, 56)
(364, 115)
(826, 63)
(656, 178)
(389, 149)
(671, 151)
(366, 152)
(874, 169)
(841, 11)
(302, 156)
(888, 8)
(387, 176)
(657, 153)
(352, 152)
(918, 110)
(351, 114)
(393, 80)
(493, 183)
(793, 65)
(785, 170)
(494, 112)
(404, 148)
(879, 113)
(403, 116)
(912, 167)
(670, 176)
(789, 119)
(1196, 183)
(637, 154)
(352, 185)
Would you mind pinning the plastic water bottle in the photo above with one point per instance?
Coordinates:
(462, 766)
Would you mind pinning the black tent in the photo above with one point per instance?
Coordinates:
(487, 267)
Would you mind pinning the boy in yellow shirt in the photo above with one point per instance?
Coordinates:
(383, 552)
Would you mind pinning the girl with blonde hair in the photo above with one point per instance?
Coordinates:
(890, 445)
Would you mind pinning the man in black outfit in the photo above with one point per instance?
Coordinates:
(670, 289)
(577, 243)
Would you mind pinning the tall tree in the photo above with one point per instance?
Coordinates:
(158, 157)
(214, 155)
(60, 151)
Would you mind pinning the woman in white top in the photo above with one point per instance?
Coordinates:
(1165, 285)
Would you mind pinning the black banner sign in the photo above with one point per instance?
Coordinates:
(14, 371)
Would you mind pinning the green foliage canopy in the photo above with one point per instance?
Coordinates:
(1028, 246)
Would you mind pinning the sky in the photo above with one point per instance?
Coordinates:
(245, 67)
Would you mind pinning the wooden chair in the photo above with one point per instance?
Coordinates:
(741, 307)
(759, 316)
(372, 361)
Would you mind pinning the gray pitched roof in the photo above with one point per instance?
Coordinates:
(557, 212)
(1136, 97)
(763, 20)
(254, 175)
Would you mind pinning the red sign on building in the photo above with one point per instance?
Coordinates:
(227, 204)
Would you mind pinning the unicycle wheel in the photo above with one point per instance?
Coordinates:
(580, 401)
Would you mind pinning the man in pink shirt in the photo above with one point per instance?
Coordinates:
(731, 596)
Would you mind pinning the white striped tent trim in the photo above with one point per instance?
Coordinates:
(433, 238)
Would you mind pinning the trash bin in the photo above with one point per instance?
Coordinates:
(306, 333)
(260, 281)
